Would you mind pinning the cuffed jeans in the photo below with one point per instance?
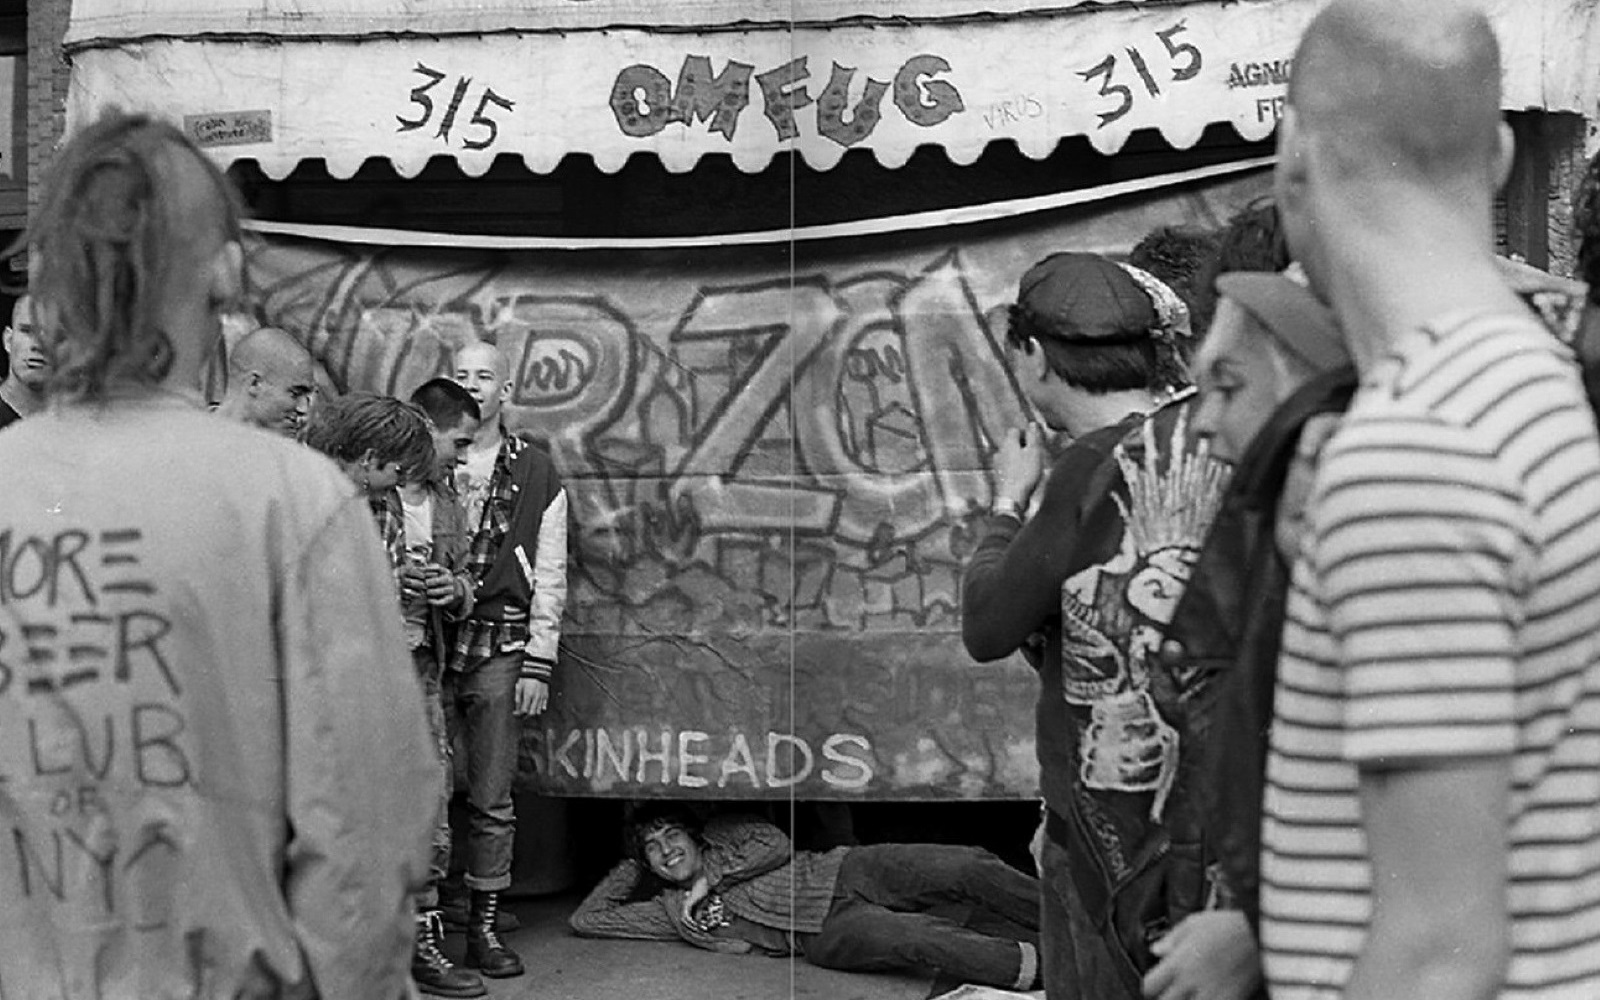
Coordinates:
(428, 671)
(878, 921)
(480, 709)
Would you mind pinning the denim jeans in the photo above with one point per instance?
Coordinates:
(879, 919)
(428, 671)
(1078, 963)
(479, 707)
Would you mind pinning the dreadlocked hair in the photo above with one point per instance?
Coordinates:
(107, 240)
(348, 427)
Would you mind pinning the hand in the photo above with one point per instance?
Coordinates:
(439, 585)
(1019, 464)
(412, 576)
(532, 695)
(692, 898)
(1209, 956)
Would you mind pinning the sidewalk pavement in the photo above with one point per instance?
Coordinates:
(563, 966)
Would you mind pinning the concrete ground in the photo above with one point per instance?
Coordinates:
(562, 966)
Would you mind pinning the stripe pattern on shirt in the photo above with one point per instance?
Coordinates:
(1445, 605)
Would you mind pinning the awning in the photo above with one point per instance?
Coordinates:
(279, 81)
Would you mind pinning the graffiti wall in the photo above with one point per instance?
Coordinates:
(774, 453)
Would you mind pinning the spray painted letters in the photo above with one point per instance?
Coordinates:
(772, 454)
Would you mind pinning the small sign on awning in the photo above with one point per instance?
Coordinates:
(229, 128)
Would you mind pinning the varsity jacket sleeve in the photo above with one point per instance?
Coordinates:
(604, 913)
(549, 600)
(742, 847)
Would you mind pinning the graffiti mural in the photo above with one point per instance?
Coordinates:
(773, 455)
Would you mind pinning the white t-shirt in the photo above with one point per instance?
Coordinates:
(472, 481)
(417, 508)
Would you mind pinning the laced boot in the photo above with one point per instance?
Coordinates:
(434, 974)
(485, 950)
(453, 906)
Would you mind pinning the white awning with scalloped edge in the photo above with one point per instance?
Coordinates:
(348, 80)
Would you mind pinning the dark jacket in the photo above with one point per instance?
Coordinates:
(505, 587)
(518, 561)
(1226, 633)
(1097, 571)
(451, 537)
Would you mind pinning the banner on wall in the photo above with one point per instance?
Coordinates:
(252, 90)
(773, 452)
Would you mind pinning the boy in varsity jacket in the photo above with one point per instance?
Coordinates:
(505, 652)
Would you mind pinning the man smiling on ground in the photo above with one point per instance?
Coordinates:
(735, 885)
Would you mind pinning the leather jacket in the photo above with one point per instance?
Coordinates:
(1227, 631)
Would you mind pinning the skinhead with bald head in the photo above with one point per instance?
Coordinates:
(271, 379)
(506, 649)
(28, 369)
(1438, 649)
(1391, 150)
(482, 370)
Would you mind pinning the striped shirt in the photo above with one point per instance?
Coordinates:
(1445, 604)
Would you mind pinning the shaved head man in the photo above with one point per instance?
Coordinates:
(28, 372)
(271, 379)
(1431, 814)
(1393, 120)
(482, 370)
(505, 650)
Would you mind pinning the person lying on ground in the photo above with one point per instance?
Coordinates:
(735, 885)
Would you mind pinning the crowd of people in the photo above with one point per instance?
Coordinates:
(1304, 547)
(1319, 666)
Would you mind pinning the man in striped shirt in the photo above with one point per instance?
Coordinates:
(1432, 815)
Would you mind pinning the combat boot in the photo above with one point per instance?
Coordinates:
(485, 951)
(434, 974)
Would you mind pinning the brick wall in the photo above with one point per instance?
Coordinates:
(48, 73)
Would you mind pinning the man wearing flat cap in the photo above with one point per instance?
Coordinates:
(1085, 587)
